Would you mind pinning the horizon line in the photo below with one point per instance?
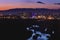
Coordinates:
(28, 8)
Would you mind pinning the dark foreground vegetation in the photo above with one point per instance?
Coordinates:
(16, 28)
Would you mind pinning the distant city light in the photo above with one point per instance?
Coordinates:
(30, 15)
(50, 17)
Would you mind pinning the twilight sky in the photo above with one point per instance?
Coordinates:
(8, 4)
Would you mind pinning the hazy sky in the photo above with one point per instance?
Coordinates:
(7, 4)
(46, 1)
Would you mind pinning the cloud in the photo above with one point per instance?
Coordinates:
(57, 3)
(40, 2)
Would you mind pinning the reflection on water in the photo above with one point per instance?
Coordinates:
(36, 34)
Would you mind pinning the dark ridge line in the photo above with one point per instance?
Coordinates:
(28, 8)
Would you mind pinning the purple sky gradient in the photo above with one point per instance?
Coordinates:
(7, 4)
(16, 1)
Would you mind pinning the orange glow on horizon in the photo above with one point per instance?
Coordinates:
(28, 5)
